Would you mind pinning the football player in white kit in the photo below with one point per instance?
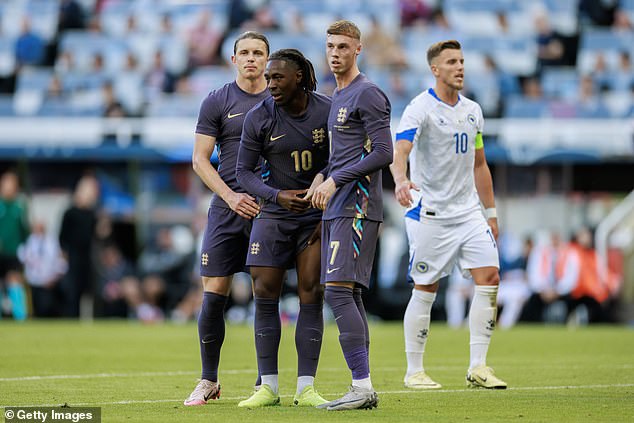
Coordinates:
(441, 134)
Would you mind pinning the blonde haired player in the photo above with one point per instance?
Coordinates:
(441, 134)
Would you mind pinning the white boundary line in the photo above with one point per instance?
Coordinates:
(399, 392)
(235, 372)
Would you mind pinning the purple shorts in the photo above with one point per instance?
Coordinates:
(225, 243)
(276, 242)
(346, 256)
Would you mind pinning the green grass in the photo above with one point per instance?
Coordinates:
(140, 373)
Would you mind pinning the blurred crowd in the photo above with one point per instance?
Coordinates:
(84, 270)
(135, 58)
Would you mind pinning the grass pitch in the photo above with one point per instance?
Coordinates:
(138, 373)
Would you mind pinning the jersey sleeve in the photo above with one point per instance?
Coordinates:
(410, 126)
(251, 146)
(374, 111)
(209, 116)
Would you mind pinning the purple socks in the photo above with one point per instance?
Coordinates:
(352, 329)
(211, 333)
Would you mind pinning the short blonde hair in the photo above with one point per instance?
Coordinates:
(435, 49)
(346, 28)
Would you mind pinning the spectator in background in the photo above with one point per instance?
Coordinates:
(623, 78)
(44, 266)
(439, 20)
(296, 24)
(600, 73)
(550, 48)
(597, 12)
(382, 49)
(131, 25)
(167, 28)
(544, 302)
(588, 104)
(532, 89)
(165, 271)
(414, 12)
(263, 20)
(503, 22)
(577, 278)
(203, 41)
(118, 289)
(14, 230)
(622, 21)
(508, 82)
(65, 63)
(239, 13)
(97, 65)
(29, 46)
(55, 89)
(157, 79)
(76, 239)
(112, 107)
(71, 16)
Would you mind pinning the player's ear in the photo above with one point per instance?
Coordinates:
(298, 76)
(233, 59)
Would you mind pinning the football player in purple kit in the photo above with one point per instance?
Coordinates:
(289, 131)
(360, 147)
(226, 236)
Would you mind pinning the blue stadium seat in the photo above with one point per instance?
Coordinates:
(7, 56)
(562, 83)
(6, 105)
(175, 105)
(520, 107)
(34, 79)
(207, 78)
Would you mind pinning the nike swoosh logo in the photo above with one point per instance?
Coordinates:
(230, 116)
(278, 137)
(207, 340)
(329, 271)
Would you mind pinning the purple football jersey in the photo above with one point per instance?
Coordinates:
(221, 116)
(361, 146)
(295, 149)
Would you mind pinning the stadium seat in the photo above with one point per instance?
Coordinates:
(519, 107)
(6, 105)
(7, 56)
(34, 79)
(559, 82)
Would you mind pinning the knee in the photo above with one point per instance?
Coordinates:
(263, 288)
(311, 293)
(491, 278)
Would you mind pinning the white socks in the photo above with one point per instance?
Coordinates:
(416, 327)
(482, 317)
(363, 383)
(303, 382)
(271, 380)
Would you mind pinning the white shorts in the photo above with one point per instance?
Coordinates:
(435, 248)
